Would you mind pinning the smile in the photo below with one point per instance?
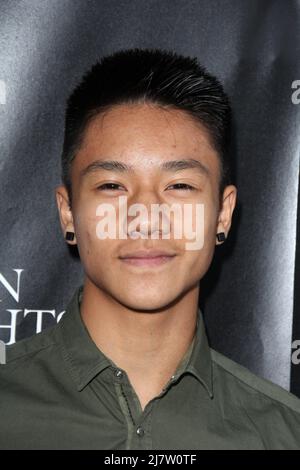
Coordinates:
(148, 261)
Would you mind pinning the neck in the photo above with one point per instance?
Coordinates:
(144, 344)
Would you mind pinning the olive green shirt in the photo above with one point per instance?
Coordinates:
(59, 391)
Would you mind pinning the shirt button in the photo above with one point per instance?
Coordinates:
(140, 431)
(118, 373)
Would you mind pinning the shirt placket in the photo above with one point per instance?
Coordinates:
(138, 420)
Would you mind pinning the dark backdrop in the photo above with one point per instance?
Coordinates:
(249, 296)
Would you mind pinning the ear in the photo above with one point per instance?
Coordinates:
(65, 213)
(225, 215)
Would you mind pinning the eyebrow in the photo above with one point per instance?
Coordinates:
(168, 166)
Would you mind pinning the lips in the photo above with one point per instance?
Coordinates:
(148, 258)
(147, 254)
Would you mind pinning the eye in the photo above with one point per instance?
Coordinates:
(109, 186)
(183, 186)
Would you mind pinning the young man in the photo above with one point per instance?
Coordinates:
(129, 365)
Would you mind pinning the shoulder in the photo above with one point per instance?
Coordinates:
(32, 365)
(25, 349)
(254, 391)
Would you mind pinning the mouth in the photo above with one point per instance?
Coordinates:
(148, 259)
(148, 262)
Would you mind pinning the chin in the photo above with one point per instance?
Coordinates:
(146, 302)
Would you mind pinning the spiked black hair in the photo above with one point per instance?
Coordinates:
(155, 76)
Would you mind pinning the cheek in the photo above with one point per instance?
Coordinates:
(199, 249)
(93, 251)
(200, 223)
(85, 223)
(210, 226)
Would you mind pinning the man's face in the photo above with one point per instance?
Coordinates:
(143, 138)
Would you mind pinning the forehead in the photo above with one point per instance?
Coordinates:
(145, 135)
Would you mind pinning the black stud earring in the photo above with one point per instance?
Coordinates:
(221, 237)
(69, 236)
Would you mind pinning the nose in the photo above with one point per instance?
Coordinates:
(146, 217)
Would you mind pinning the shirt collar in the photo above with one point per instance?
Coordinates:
(200, 362)
(85, 360)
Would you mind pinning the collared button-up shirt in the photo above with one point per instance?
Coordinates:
(59, 391)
